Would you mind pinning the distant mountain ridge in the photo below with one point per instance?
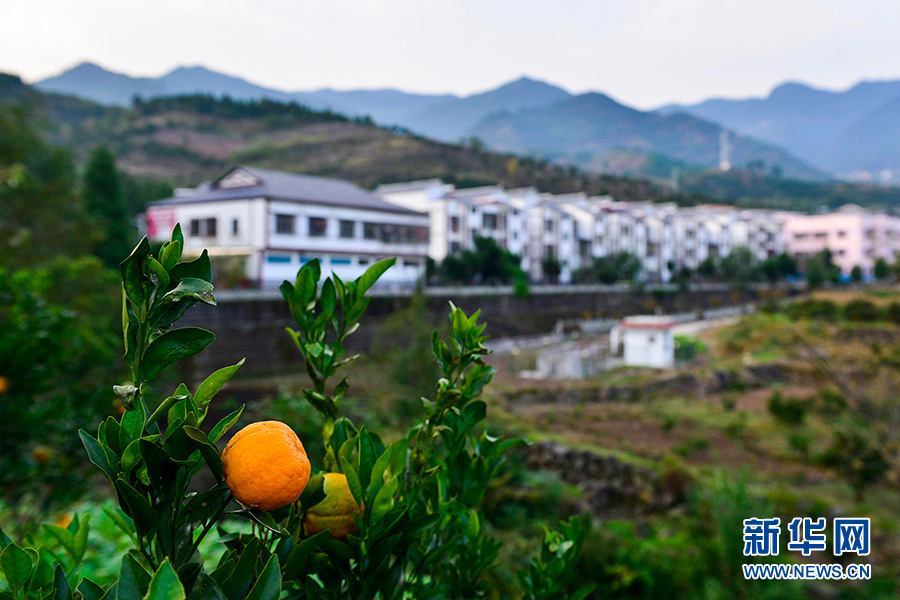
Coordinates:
(511, 117)
(815, 124)
(593, 130)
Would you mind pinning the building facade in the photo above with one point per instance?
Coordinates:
(573, 229)
(856, 237)
(261, 226)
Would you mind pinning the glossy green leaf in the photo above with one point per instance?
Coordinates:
(162, 276)
(372, 274)
(90, 590)
(133, 580)
(121, 520)
(173, 346)
(136, 506)
(17, 566)
(213, 384)
(96, 453)
(268, 584)
(165, 584)
(224, 425)
(199, 268)
(132, 270)
(61, 589)
(171, 254)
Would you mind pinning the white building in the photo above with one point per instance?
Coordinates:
(644, 341)
(574, 228)
(265, 224)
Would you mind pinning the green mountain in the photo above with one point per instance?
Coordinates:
(188, 139)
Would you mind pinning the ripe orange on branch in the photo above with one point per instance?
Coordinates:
(265, 465)
(337, 511)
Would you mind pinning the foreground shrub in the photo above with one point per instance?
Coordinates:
(418, 531)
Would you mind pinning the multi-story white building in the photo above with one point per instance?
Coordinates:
(269, 223)
(574, 228)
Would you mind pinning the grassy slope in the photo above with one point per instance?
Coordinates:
(183, 145)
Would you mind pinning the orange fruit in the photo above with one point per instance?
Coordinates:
(4, 384)
(337, 511)
(265, 465)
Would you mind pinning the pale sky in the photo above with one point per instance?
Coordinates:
(642, 52)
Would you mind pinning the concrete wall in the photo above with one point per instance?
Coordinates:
(251, 324)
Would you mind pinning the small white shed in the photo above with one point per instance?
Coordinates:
(647, 341)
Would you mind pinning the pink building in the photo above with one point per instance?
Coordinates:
(854, 236)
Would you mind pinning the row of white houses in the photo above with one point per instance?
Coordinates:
(576, 228)
(270, 223)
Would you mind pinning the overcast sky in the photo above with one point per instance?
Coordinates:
(642, 52)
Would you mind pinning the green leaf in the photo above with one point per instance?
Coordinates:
(163, 407)
(96, 453)
(224, 425)
(80, 540)
(177, 302)
(372, 274)
(156, 268)
(329, 297)
(62, 535)
(17, 566)
(132, 269)
(314, 492)
(191, 288)
(136, 506)
(131, 427)
(61, 589)
(238, 583)
(5, 540)
(173, 346)
(90, 590)
(295, 568)
(384, 501)
(177, 236)
(171, 254)
(121, 520)
(165, 584)
(199, 268)
(268, 585)
(133, 580)
(209, 450)
(352, 480)
(213, 384)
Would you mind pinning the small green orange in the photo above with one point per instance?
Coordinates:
(337, 511)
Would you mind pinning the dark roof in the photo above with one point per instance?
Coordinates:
(292, 187)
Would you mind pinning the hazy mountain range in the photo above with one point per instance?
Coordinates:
(798, 131)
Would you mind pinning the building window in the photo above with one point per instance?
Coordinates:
(278, 259)
(363, 261)
(549, 252)
(489, 221)
(411, 263)
(285, 224)
(548, 225)
(340, 261)
(203, 227)
(348, 229)
(317, 227)
(454, 224)
(370, 231)
(235, 227)
(515, 235)
(455, 247)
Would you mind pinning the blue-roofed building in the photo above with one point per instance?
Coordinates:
(260, 226)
